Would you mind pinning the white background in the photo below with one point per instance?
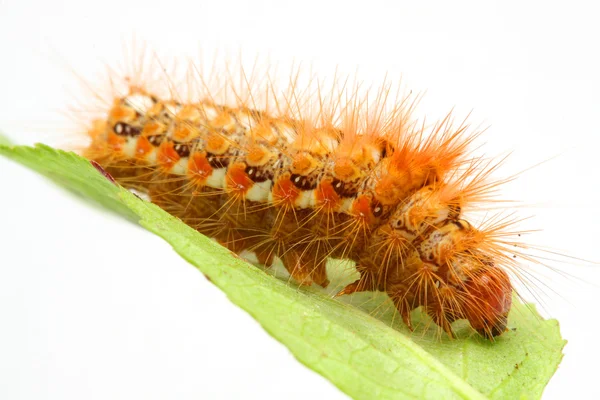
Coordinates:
(93, 307)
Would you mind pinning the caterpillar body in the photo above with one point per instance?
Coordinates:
(307, 175)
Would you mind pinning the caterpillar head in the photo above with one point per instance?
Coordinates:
(472, 286)
(487, 299)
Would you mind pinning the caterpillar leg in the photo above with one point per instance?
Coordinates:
(292, 260)
(305, 268)
(442, 319)
(404, 307)
(265, 257)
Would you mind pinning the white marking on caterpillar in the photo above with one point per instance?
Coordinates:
(260, 191)
(180, 167)
(216, 180)
(129, 149)
(307, 199)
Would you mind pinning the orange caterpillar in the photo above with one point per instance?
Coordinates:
(307, 175)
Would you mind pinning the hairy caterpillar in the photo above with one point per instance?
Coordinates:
(316, 170)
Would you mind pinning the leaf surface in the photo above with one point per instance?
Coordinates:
(359, 343)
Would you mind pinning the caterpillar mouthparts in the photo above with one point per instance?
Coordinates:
(324, 175)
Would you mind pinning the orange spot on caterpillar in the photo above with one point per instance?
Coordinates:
(115, 142)
(153, 128)
(285, 192)
(143, 147)
(216, 144)
(344, 169)
(303, 164)
(223, 121)
(362, 208)
(167, 156)
(237, 179)
(257, 156)
(199, 168)
(327, 197)
(183, 132)
(265, 132)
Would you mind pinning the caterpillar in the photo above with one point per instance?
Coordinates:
(313, 171)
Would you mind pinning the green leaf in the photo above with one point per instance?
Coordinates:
(362, 349)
